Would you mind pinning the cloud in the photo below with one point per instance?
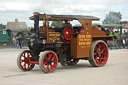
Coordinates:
(16, 6)
(61, 9)
(2, 8)
(23, 9)
(87, 8)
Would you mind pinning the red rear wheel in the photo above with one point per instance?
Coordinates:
(98, 53)
(48, 61)
(68, 31)
(23, 60)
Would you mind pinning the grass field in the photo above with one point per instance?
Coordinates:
(3, 46)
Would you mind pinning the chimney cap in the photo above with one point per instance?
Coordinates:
(36, 13)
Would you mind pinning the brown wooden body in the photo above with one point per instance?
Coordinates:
(80, 46)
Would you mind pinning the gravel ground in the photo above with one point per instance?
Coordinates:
(115, 72)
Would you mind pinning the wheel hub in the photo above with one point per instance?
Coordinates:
(99, 53)
(67, 33)
(49, 61)
(26, 60)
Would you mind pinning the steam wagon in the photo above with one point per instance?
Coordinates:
(65, 44)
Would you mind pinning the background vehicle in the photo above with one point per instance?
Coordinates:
(66, 44)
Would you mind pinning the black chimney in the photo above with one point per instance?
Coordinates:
(36, 23)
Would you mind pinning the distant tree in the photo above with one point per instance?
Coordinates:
(112, 18)
(57, 23)
(2, 26)
(94, 24)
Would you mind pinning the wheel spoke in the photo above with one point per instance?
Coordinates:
(29, 65)
(103, 50)
(46, 58)
(102, 58)
(53, 58)
(24, 65)
(28, 55)
(45, 63)
(99, 45)
(51, 66)
(95, 53)
(95, 57)
(104, 54)
(47, 67)
(97, 61)
(23, 54)
(49, 56)
(100, 61)
(22, 60)
(96, 50)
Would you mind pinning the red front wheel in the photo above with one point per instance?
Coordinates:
(23, 60)
(98, 53)
(48, 61)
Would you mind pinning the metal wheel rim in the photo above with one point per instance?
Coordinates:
(100, 53)
(50, 61)
(24, 61)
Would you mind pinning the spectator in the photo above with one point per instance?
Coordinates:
(116, 38)
(14, 41)
(107, 32)
(67, 23)
(19, 42)
(103, 29)
(82, 31)
(126, 40)
(123, 43)
(19, 39)
(117, 34)
(111, 33)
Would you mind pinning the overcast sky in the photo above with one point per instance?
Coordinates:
(23, 9)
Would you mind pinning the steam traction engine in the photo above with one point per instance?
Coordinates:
(50, 45)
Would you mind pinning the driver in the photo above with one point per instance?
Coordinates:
(67, 24)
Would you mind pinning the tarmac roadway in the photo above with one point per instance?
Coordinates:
(115, 72)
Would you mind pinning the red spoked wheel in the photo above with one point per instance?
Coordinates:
(98, 53)
(48, 61)
(23, 60)
(67, 33)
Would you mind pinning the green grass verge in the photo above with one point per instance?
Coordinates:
(3, 46)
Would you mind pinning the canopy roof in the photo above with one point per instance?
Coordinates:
(65, 17)
(112, 25)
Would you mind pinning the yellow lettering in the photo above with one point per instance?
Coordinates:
(50, 38)
(82, 43)
(54, 35)
(81, 36)
(57, 34)
(88, 36)
(80, 39)
(88, 43)
(83, 46)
